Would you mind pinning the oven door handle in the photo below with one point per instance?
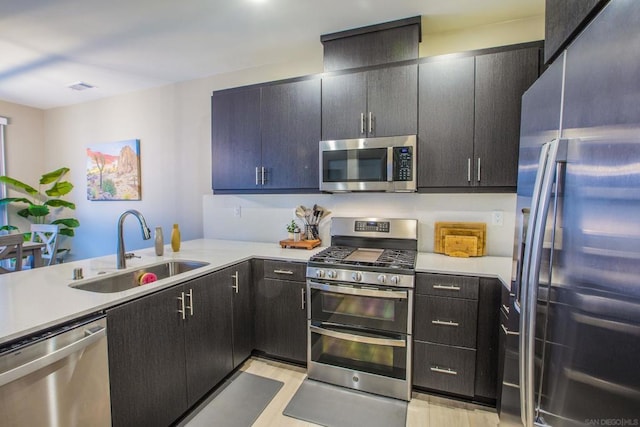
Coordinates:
(358, 338)
(363, 292)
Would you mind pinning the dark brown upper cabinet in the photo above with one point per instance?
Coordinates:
(469, 119)
(265, 138)
(374, 103)
(564, 19)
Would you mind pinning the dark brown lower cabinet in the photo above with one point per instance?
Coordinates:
(243, 310)
(281, 315)
(167, 350)
(456, 339)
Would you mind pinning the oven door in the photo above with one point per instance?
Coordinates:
(379, 308)
(355, 349)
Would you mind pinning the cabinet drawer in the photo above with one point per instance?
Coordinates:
(447, 286)
(285, 270)
(450, 321)
(445, 368)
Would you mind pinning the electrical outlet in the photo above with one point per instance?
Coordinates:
(497, 218)
(237, 211)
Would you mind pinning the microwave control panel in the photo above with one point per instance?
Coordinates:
(402, 163)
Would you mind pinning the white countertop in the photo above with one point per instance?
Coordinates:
(35, 300)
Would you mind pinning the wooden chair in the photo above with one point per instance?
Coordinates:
(11, 247)
(47, 234)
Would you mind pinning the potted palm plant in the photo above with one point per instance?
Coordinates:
(39, 207)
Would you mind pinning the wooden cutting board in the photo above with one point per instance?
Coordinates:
(461, 247)
(302, 244)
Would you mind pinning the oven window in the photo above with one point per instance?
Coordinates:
(386, 360)
(358, 306)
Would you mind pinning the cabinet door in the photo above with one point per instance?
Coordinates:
(344, 101)
(146, 360)
(290, 134)
(392, 100)
(445, 135)
(501, 80)
(235, 138)
(208, 345)
(563, 20)
(281, 319)
(242, 302)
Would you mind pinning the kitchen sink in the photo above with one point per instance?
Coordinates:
(131, 279)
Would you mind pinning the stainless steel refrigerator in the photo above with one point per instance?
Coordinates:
(577, 249)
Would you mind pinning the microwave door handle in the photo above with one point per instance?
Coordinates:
(357, 338)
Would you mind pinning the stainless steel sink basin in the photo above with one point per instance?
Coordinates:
(131, 279)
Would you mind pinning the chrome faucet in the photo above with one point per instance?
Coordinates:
(146, 235)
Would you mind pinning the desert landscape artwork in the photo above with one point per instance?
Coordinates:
(113, 171)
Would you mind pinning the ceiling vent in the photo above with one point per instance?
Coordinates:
(80, 86)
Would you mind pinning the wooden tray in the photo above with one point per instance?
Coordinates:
(302, 244)
(473, 229)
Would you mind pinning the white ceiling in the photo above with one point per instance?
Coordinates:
(126, 45)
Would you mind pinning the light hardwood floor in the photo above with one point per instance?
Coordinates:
(423, 410)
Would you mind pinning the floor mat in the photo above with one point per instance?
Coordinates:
(237, 403)
(333, 406)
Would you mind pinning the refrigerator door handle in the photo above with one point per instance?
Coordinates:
(531, 271)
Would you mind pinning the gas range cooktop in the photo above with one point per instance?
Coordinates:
(392, 259)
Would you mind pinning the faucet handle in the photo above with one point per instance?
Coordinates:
(130, 255)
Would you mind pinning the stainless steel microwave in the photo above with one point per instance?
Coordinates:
(368, 164)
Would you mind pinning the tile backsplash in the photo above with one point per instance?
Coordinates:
(263, 218)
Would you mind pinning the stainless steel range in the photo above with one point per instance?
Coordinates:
(360, 293)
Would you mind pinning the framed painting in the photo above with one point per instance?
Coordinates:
(113, 171)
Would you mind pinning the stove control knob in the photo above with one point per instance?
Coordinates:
(331, 274)
(382, 278)
(319, 274)
(356, 276)
(395, 280)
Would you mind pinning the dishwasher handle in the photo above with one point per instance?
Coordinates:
(92, 335)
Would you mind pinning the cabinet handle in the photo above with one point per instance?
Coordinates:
(507, 331)
(468, 170)
(448, 371)
(445, 323)
(302, 299)
(447, 287)
(190, 306)
(362, 123)
(289, 272)
(257, 176)
(370, 122)
(478, 169)
(235, 281)
(506, 308)
(264, 175)
(182, 310)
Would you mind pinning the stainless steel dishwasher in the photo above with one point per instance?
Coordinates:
(58, 378)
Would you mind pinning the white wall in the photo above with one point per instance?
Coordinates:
(24, 150)
(263, 217)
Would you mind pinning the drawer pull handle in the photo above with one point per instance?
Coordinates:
(447, 287)
(445, 323)
(506, 308)
(447, 371)
(507, 331)
(289, 272)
